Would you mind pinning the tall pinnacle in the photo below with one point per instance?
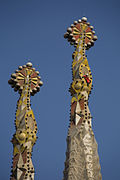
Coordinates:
(26, 81)
(82, 161)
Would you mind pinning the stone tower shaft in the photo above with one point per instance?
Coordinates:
(27, 82)
(82, 161)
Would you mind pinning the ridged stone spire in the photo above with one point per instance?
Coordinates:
(26, 81)
(82, 161)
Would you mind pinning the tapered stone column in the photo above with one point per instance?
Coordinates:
(82, 161)
(26, 81)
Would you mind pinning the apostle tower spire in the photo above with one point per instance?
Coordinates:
(82, 161)
(27, 82)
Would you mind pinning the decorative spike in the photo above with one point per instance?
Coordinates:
(40, 83)
(92, 42)
(18, 85)
(20, 67)
(16, 71)
(34, 90)
(84, 19)
(39, 77)
(69, 30)
(92, 27)
(13, 75)
(10, 81)
(15, 80)
(75, 22)
(24, 66)
(76, 42)
(88, 23)
(21, 88)
(95, 38)
(38, 88)
(73, 39)
(66, 35)
(79, 20)
(29, 64)
(72, 25)
(37, 72)
(70, 35)
(89, 44)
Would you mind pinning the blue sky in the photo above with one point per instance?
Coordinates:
(33, 29)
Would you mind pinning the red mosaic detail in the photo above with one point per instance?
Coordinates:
(32, 86)
(88, 29)
(92, 36)
(24, 156)
(81, 102)
(76, 37)
(34, 74)
(21, 82)
(15, 160)
(73, 106)
(87, 79)
(78, 27)
(23, 72)
(86, 40)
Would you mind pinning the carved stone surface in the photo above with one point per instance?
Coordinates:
(27, 82)
(82, 161)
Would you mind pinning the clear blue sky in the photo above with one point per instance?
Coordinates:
(33, 29)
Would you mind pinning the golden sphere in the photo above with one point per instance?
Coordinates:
(22, 136)
(78, 86)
